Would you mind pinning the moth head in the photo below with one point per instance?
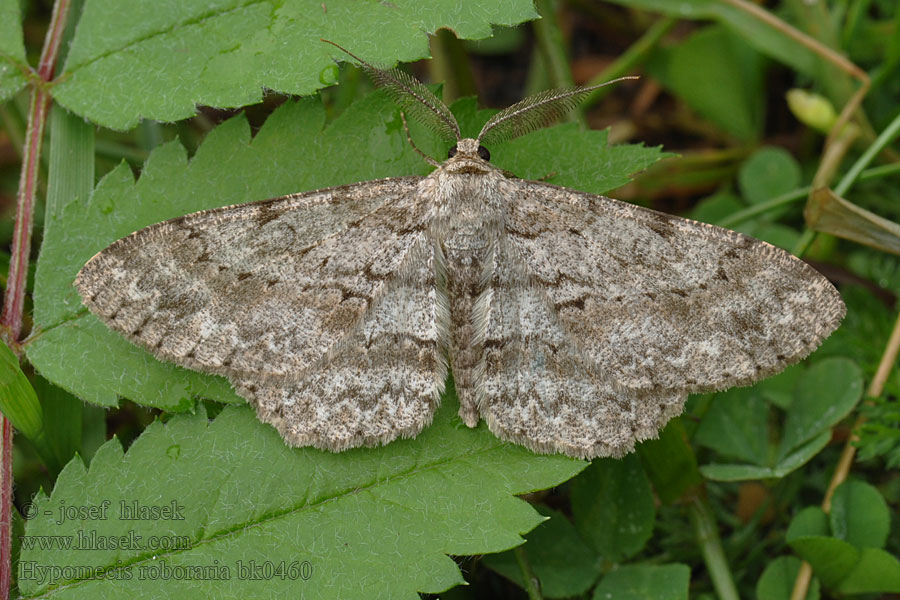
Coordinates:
(468, 156)
(470, 149)
(523, 117)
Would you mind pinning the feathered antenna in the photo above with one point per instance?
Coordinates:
(413, 98)
(535, 112)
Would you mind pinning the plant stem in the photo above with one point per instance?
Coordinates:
(553, 51)
(528, 576)
(711, 548)
(450, 64)
(734, 219)
(806, 240)
(751, 211)
(14, 300)
(552, 45)
(883, 139)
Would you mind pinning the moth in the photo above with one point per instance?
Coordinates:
(572, 322)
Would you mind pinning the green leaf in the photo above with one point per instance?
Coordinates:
(612, 507)
(559, 557)
(717, 74)
(18, 402)
(159, 64)
(860, 515)
(585, 161)
(776, 234)
(360, 524)
(802, 454)
(670, 463)
(735, 472)
(13, 64)
(779, 389)
(825, 394)
(831, 559)
(645, 582)
(563, 155)
(876, 572)
(62, 423)
(736, 425)
(848, 563)
(720, 205)
(766, 39)
(777, 581)
(769, 172)
(292, 152)
(811, 521)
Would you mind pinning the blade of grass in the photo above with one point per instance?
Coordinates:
(886, 137)
(711, 548)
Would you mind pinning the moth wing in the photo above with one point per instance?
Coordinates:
(382, 381)
(658, 301)
(257, 291)
(539, 390)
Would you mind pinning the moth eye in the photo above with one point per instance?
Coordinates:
(484, 153)
(451, 152)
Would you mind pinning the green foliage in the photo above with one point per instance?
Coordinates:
(737, 424)
(671, 464)
(764, 39)
(845, 548)
(67, 423)
(612, 506)
(158, 60)
(768, 173)
(714, 59)
(777, 581)
(18, 401)
(561, 559)
(12, 50)
(879, 435)
(361, 524)
(382, 522)
(637, 582)
(613, 516)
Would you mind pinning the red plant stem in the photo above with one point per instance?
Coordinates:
(14, 298)
(13, 303)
